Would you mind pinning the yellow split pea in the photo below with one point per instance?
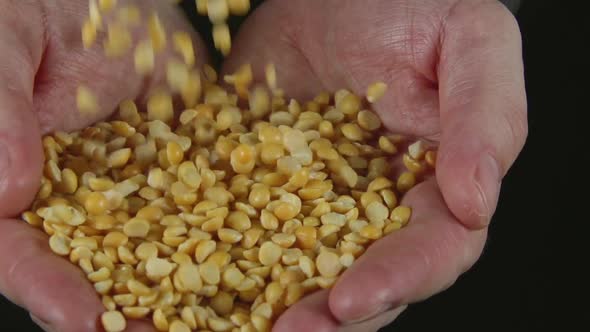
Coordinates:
(215, 208)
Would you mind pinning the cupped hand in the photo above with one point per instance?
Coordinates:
(43, 63)
(455, 75)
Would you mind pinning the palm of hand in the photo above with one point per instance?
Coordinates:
(448, 65)
(419, 50)
(444, 62)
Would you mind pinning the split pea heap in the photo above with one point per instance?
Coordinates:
(221, 214)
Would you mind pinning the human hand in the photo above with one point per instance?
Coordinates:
(43, 62)
(455, 76)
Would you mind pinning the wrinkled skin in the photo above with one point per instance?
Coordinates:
(455, 76)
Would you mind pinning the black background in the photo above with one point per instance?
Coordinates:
(527, 278)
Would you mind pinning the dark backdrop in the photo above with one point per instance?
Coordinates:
(518, 284)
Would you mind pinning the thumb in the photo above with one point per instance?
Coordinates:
(483, 107)
(21, 156)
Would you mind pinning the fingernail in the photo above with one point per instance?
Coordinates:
(4, 162)
(375, 323)
(370, 314)
(42, 324)
(487, 177)
(394, 314)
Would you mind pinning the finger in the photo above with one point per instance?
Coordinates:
(312, 313)
(375, 323)
(410, 265)
(483, 107)
(131, 326)
(316, 47)
(67, 65)
(20, 143)
(55, 292)
(50, 287)
(43, 325)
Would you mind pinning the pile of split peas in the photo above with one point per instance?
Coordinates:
(220, 215)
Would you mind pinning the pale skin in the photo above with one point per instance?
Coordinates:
(454, 68)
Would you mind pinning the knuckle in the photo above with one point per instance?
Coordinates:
(516, 121)
(473, 251)
(461, 246)
(485, 18)
(512, 127)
